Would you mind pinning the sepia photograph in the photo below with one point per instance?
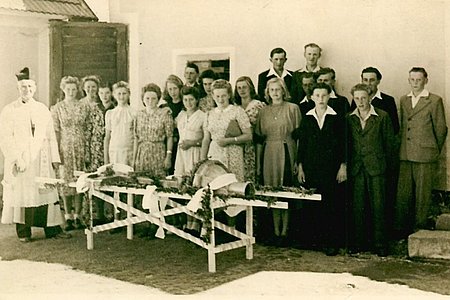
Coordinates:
(224, 149)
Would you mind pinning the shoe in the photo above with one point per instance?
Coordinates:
(78, 224)
(69, 225)
(61, 235)
(381, 251)
(25, 240)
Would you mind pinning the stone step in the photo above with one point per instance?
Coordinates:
(429, 244)
(443, 222)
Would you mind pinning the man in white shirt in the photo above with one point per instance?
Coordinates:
(422, 135)
(28, 143)
(278, 58)
(312, 55)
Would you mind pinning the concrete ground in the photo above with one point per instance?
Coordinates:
(23, 280)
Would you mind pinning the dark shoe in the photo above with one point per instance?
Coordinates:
(97, 222)
(283, 241)
(25, 239)
(78, 225)
(381, 251)
(61, 235)
(69, 225)
(331, 251)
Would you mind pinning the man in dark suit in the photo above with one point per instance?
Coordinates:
(191, 73)
(371, 152)
(278, 59)
(337, 102)
(308, 82)
(372, 77)
(312, 55)
(422, 135)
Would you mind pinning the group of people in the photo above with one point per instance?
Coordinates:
(293, 129)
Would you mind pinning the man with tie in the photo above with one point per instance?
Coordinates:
(191, 73)
(422, 135)
(278, 59)
(28, 143)
(308, 83)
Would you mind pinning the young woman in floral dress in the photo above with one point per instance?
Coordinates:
(153, 130)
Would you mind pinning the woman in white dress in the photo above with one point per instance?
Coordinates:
(119, 127)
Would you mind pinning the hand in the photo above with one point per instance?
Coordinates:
(55, 166)
(167, 162)
(301, 175)
(223, 142)
(186, 144)
(342, 174)
(20, 165)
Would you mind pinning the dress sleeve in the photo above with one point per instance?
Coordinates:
(55, 117)
(168, 124)
(242, 118)
(108, 120)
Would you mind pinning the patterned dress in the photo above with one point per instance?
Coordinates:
(72, 123)
(98, 133)
(151, 130)
(190, 128)
(276, 124)
(216, 123)
(252, 111)
(120, 122)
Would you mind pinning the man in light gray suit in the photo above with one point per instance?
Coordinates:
(422, 131)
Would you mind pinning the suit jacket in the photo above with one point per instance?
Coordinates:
(262, 82)
(422, 129)
(386, 103)
(371, 148)
(340, 105)
(321, 151)
(306, 106)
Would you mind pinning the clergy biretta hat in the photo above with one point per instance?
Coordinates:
(23, 74)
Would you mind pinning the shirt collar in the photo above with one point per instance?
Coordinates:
(304, 69)
(424, 93)
(329, 111)
(333, 94)
(284, 74)
(372, 112)
(377, 95)
(304, 100)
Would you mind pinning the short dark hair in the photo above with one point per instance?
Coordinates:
(361, 87)
(419, 69)
(190, 90)
(321, 86)
(105, 84)
(324, 71)
(192, 66)
(277, 51)
(152, 87)
(309, 75)
(372, 70)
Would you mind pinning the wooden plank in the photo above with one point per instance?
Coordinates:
(77, 40)
(89, 64)
(122, 53)
(290, 195)
(91, 31)
(56, 61)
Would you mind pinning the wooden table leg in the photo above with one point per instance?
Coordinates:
(129, 215)
(211, 246)
(249, 231)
